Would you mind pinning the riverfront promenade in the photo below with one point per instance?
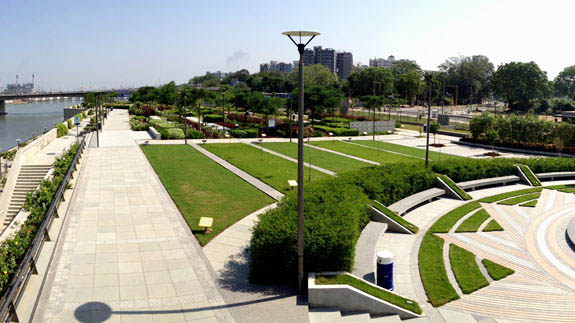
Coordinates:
(126, 254)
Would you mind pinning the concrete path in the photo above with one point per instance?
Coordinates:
(344, 155)
(126, 253)
(272, 192)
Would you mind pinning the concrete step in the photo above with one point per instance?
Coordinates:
(387, 319)
(357, 317)
(37, 166)
(324, 315)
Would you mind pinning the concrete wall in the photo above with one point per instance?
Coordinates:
(2, 107)
(351, 299)
(154, 133)
(367, 126)
(70, 113)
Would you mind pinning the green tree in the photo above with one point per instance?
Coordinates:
(564, 84)
(407, 78)
(314, 75)
(434, 129)
(145, 94)
(362, 84)
(373, 102)
(520, 85)
(168, 93)
(472, 75)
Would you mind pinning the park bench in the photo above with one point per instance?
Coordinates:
(402, 206)
(552, 176)
(503, 180)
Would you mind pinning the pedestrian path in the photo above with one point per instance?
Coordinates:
(126, 253)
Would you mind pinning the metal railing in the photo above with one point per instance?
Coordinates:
(11, 298)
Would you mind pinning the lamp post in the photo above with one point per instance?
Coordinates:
(375, 105)
(300, 171)
(429, 78)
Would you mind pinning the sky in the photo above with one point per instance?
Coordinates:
(71, 44)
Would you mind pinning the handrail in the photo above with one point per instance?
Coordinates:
(12, 297)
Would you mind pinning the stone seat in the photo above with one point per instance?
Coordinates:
(503, 180)
(402, 206)
(552, 176)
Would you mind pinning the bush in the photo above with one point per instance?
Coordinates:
(70, 124)
(213, 118)
(61, 130)
(338, 131)
(335, 214)
(472, 169)
(139, 125)
(237, 133)
(251, 133)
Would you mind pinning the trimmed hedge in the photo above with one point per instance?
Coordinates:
(212, 118)
(138, 125)
(244, 133)
(335, 214)
(338, 131)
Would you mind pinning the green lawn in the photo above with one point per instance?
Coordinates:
(458, 190)
(531, 203)
(380, 293)
(466, 270)
(493, 226)
(447, 221)
(432, 270)
(381, 157)
(502, 196)
(530, 175)
(323, 159)
(272, 170)
(395, 217)
(520, 199)
(495, 270)
(472, 223)
(416, 152)
(201, 187)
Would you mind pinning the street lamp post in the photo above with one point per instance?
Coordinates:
(300, 171)
(429, 78)
(375, 106)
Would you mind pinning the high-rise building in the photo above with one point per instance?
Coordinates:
(390, 62)
(325, 57)
(275, 66)
(344, 64)
(308, 57)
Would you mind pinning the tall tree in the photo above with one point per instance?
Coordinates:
(315, 75)
(472, 76)
(564, 84)
(520, 84)
(362, 84)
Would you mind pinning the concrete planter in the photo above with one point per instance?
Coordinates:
(351, 299)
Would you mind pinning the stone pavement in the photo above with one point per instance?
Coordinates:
(126, 254)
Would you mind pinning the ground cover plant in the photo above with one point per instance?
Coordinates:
(335, 214)
(495, 270)
(466, 271)
(433, 273)
(14, 248)
(394, 216)
(415, 152)
(381, 157)
(201, 187)
(530, 175)
(493, 225)
(531, 203)
(472, 223)
(502, 196)
(520, 199)
(323, 159)
(458, 190)
(447, 221)
(380, 293)
(272, 170)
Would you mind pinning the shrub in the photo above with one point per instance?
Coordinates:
(338, 131)
(251, 133)
(70, 124)
(139, 125)
(335, 214)
(213, 118)
(237, 133)
(61, 130)
(472, 169)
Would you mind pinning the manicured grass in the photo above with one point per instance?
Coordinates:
(380, 293)
(415, 152)
(530, 176)
(567, 190)
(395, 217)
(200, 187)
(502, 196)
(520, 199)
(446, 222)
(531, 203)
(495, 270)
(473, 223)
(364, 152)
(493, 226)
(466, 270)
(458, 190)
(432, 271)
(323, 159)
(272, 170)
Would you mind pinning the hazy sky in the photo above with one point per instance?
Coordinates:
(71, 43)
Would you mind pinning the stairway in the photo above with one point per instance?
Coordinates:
(333, 314)
(28, 179)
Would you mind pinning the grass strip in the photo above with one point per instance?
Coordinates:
(502, 196)
(473, 223)
(531, 203)
(446, 222)
(458, 190)
(323, 159)
(466, 270)
(200, 187)
(567, 190)
(380, 293)
(415, 152)
(381, 157)
(272, 170)
(432, 271)
(520, 199)
(530, 176)
(495, 270)
(395, 217)
(493, 225)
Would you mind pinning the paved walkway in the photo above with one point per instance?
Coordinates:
(126, 253)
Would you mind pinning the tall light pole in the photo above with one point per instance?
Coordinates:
(429, 78)
(375, 105)
(300, 171)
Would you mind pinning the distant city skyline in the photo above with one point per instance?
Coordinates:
(106, 44)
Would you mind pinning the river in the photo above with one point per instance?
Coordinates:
(24, 119)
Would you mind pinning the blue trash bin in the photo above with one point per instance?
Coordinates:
(385, 269)
(99, 126)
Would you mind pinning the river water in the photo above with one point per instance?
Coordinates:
(24, 119)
